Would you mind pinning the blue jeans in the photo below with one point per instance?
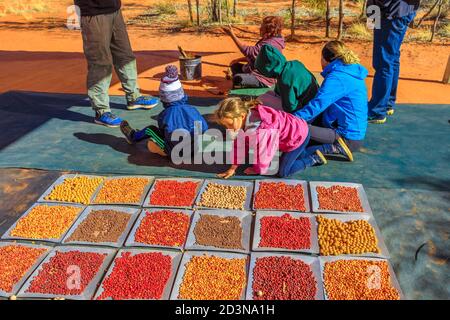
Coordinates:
(295, 160)
(386, 61)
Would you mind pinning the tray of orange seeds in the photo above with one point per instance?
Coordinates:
(358, 278)
(45, 221)
(73, 188)
(350, 235)
(123, 190)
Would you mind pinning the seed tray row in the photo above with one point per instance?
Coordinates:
(96, 285)
(309, 195)
(250, 233)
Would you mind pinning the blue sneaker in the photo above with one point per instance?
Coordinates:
(107, 119)
(143, 103)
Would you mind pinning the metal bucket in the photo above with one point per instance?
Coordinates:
(191, 69)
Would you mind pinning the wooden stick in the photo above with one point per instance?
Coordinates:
(446, 78)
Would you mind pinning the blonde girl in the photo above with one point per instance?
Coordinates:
(271, 131)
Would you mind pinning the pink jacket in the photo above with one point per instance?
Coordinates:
(278, 131)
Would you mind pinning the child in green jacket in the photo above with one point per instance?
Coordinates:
(296, 85)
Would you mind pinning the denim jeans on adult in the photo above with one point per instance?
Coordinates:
(386, 61)
(106, 44)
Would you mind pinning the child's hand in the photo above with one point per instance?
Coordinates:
(227, 174)
(250, 171)
(228, 29)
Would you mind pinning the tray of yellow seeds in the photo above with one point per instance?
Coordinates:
(73, 188)
(225, 194)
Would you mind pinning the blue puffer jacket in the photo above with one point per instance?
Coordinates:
(343, 100)
(179, 115)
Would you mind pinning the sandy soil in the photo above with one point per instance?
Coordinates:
(43, 56)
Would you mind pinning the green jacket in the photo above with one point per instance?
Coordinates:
(296, 85)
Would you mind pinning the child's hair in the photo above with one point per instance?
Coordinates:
(234, 107)
(273, 26)
(338, 50)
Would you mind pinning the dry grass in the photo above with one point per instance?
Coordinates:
(23, 8)
(444, 31)
(165, 8)
(359, 31)
(418, 35)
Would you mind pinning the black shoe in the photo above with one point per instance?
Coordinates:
(128, 132)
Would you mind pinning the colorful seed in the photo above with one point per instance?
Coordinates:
(122, 190)
(164, 228)
(139, 276)
(339, 198)
(46, 222)
(213, 278)
(285, 232)
(283, 278)
(171, 193)
(224, 197)
(15, 262)
(359, 280)
(280, 196)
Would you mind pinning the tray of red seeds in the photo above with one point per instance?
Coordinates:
(279, 276)
(149, 275)
(68, 272)
(220, 230)
(173, 193)
(160, 228)
(339, 197)
(281, 195)
(285, 232)
(17, 263)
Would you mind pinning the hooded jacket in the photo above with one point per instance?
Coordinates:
(179, 115)
(296, 85)
(251, 53)
(391, 9)
(277, 131)
(343, 100)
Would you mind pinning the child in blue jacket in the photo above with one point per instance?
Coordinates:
(339, 110)
(177, 115)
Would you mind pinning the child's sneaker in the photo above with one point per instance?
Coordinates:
(128, 132)
(107, 119)
(390, 111)
(375, 120)
(342, 149)
(320, 158)
(143, 103)
(153, 147)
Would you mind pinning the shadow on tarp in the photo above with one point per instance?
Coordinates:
(56, 132)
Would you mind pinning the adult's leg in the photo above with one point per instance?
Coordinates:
(123, 58)
(383, 57)
(403, 24)
(96, 33)
(294, 161)
(247, 80)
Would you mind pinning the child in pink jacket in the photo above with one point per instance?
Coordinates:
(266, 131)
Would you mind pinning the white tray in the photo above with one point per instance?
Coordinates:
(175, 256)
(147, 198)
(139, 203)
(246, 224)
(288, 182)
(394, 281)
(314, 244)
(90, 288)
(381, 245)
(362, 197)
(187, 257)
(61, 180)
(313, 262)
(133, 212)
(131, 241)
(22, 280)
(237, 183)
(7, 235)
